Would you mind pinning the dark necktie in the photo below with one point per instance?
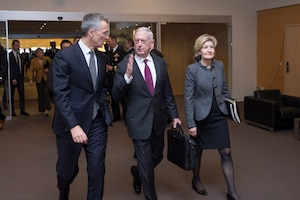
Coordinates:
(19, 63)
(92, 67)
(148, 78)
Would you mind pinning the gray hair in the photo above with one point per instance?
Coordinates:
(92, 21)
(150, 33)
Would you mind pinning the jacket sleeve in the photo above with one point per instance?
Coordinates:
(190, 84)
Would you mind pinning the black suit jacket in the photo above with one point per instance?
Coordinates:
(74, 91)
(113, 58)
(145, 111)
(14, 67)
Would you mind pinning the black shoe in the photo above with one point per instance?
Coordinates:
(116, 119)
(23, 112)
(229, 197)
(136, 180)
(199, 188)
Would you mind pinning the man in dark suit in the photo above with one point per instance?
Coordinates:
(149, 98)
(17, 77)
(129, 46)
(3, 75)
(52, 51)
(115, 55)
(81, 116)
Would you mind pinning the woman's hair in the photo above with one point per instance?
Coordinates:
(38, 50)
(199, 43)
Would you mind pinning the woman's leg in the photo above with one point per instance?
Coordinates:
(227, 167)
(196, 182)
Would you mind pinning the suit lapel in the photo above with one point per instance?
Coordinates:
(85, 68)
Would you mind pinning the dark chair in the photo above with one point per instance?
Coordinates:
(271, 110)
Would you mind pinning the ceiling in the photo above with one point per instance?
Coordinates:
(43, 29)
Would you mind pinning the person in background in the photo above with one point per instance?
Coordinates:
(76, 39)
(17, 78)
(63, 44)
(129, 46)
(115, 54)
(81, 116)
(149, 97)
(40, 65)
(52, 51)
(156, 52)
(3, 75)
(206, 111)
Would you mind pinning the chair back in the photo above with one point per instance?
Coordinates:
(274, 95)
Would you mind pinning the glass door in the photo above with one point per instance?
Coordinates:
(4, 71)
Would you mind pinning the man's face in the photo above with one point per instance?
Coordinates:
(142, 43)
(101, 35)
(16, 46)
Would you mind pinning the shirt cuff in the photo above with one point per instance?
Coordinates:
(128, 80)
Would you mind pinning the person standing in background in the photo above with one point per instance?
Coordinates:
(206, 111)
(129, 46)
(52, 51)
(115, 54)
(40, 65)
(63, 44)
(143, 78)
(81, 117)
(3, 75)
(17, 78)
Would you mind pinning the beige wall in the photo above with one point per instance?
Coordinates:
(270, 44)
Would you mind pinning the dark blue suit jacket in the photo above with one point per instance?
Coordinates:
(14, 67)
(74, 91)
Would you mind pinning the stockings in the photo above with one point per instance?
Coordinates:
(227, 168)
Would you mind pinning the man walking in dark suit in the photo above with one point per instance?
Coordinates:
(115, 55)
(17, 77)
(144, 80)
(81, 116)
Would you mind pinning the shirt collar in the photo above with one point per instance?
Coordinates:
(141, 60)
(85, 49)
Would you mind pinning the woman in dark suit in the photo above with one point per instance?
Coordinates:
(206, 111)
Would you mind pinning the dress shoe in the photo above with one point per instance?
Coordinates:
(23, 112)
(199, 188)
(136, 180)
(116, 119)
(229, 197)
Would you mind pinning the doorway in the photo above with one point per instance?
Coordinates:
(292, 61)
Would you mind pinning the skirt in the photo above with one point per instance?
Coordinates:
(212, 132)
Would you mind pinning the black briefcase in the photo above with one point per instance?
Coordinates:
(182, 149)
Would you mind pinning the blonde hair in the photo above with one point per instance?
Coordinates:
(200, 41)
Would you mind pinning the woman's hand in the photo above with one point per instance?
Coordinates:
(193, 131)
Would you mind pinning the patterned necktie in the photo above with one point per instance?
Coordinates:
(92, 67)
(148, 78)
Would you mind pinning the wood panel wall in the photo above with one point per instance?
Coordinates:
(177, 42)
(270, 44)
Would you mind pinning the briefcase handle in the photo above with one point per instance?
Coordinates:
(178, 129)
